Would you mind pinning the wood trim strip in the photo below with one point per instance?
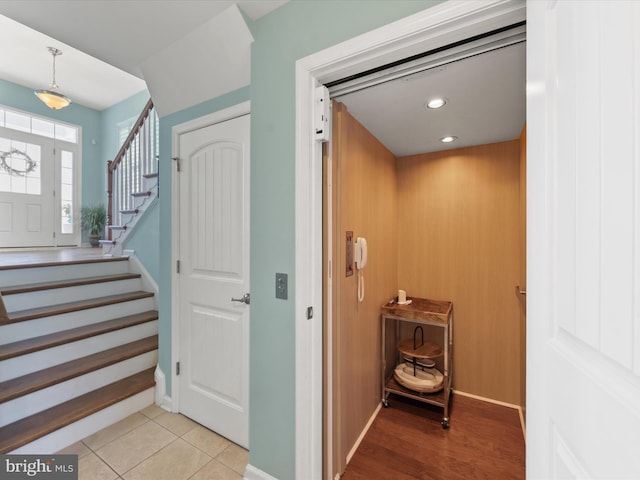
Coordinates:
(17, 387)
(62, 263)
(37, 287)
(4, 316)
(48, 311)
(36, 344)
(28, 429)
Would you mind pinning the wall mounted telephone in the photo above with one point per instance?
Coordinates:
(361, 253)
(360, 257)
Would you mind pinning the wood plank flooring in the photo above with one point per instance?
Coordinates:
(407, 442)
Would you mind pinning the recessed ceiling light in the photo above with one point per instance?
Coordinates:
(436, 103)
(448, 139)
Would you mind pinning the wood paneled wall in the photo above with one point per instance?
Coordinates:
(459, 240)
(364, 201)
(445, 226)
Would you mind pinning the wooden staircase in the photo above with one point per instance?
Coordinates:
(132, 181)
(78, 350)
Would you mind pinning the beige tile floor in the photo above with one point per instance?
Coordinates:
(154, 444)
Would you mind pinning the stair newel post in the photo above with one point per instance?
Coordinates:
(109, 199)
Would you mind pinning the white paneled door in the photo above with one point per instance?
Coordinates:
(583, 288)
(214, 268)
(26, 190)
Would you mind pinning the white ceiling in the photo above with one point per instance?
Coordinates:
(96, 36)
(486, 93)
(486, 104)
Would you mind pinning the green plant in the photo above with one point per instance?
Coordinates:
(93, 219)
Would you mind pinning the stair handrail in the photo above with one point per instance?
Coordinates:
(112, 165)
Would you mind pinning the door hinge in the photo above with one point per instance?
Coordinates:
(322, 115)
(177, 368)
(309, 313)
(177, 160)
(177, 266)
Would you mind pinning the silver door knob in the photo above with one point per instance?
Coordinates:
(246, 298)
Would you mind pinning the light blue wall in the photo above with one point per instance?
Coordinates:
(93, 170)
(296, 30)
(145, 241)
(118, 113)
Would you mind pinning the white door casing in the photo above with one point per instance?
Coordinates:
(434, 27)
(30, 219)
(583, 259)
(213, 250)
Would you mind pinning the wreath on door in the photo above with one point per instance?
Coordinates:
(29, 164)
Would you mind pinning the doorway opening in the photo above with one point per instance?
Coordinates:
(430, 29)
(40, 181)
(442, 224)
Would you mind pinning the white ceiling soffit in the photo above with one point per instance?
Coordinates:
(218, 61)
(124, 33)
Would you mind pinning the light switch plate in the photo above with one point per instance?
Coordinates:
(281, 285)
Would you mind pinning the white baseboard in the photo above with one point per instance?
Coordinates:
(485, 399)
(161, 384)
(253, 473)
(162, 399)
(136, 266)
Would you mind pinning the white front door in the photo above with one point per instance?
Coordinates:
(583, 238)
(26, 190)
(214, 268)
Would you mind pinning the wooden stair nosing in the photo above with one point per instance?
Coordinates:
(36, 287)
(20, 386)
(141, 194)
(4, 316)
(47, 311)
(26, 430)
(62, 263)
(36, 344)
(151, 175)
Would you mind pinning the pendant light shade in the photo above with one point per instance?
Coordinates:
(52, 98)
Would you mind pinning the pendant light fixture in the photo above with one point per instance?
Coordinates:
(52, 98)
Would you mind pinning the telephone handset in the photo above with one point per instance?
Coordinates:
(361, 262)
(361, 253)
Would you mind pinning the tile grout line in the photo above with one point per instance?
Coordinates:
(181, 437)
